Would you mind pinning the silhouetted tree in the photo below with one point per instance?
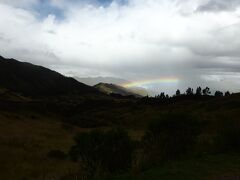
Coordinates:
(162, 95)
(167, 96)
(199, 91)
(178, 93)
(189, 91)
(218, 94)
(227, 93)
(206, 91)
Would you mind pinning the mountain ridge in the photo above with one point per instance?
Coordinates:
(115, 89)
(92, 81)
(34, 80)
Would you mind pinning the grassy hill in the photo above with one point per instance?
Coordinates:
(115, 89)
(92, 81)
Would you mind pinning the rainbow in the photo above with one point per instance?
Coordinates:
(161, 80)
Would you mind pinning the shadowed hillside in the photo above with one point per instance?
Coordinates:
(32, 80)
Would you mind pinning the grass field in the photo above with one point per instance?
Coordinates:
(27, 137)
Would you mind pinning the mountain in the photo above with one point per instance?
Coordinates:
(115, 89)
(91, 81)
(33, 80)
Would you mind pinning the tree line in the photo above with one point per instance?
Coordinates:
(190, 92)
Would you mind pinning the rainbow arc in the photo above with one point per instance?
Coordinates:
(162, 80)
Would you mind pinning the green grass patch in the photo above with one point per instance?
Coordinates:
(204, 168)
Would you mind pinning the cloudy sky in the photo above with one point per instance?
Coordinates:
(194, 42)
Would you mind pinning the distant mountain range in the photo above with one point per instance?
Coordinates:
(92, 81)
(115, 89)
(32, 80)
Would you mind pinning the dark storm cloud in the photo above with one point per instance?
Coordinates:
(219, 5)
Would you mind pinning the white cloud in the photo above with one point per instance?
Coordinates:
(141, 39)
(19, 3)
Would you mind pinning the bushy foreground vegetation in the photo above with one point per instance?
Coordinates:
(172, 137)
(103, 152)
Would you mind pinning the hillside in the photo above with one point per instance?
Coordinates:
(32, 80)
(92, 81)
(115, 89)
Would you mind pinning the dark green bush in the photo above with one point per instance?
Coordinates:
(170, 137)
(227, 137)
(105, 152)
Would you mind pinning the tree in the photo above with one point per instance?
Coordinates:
(206, 91)
(218, 94)
(178, 93)
(227, 93)
(162, 95)
(199, 91)
(189, 91)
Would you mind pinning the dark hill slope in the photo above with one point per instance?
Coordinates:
(32, 80)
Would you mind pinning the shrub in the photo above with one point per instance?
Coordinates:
(227, 138)
(169, 138)
(218, 94)
(109, 152)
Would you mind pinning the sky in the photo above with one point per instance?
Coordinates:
(160, 45)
